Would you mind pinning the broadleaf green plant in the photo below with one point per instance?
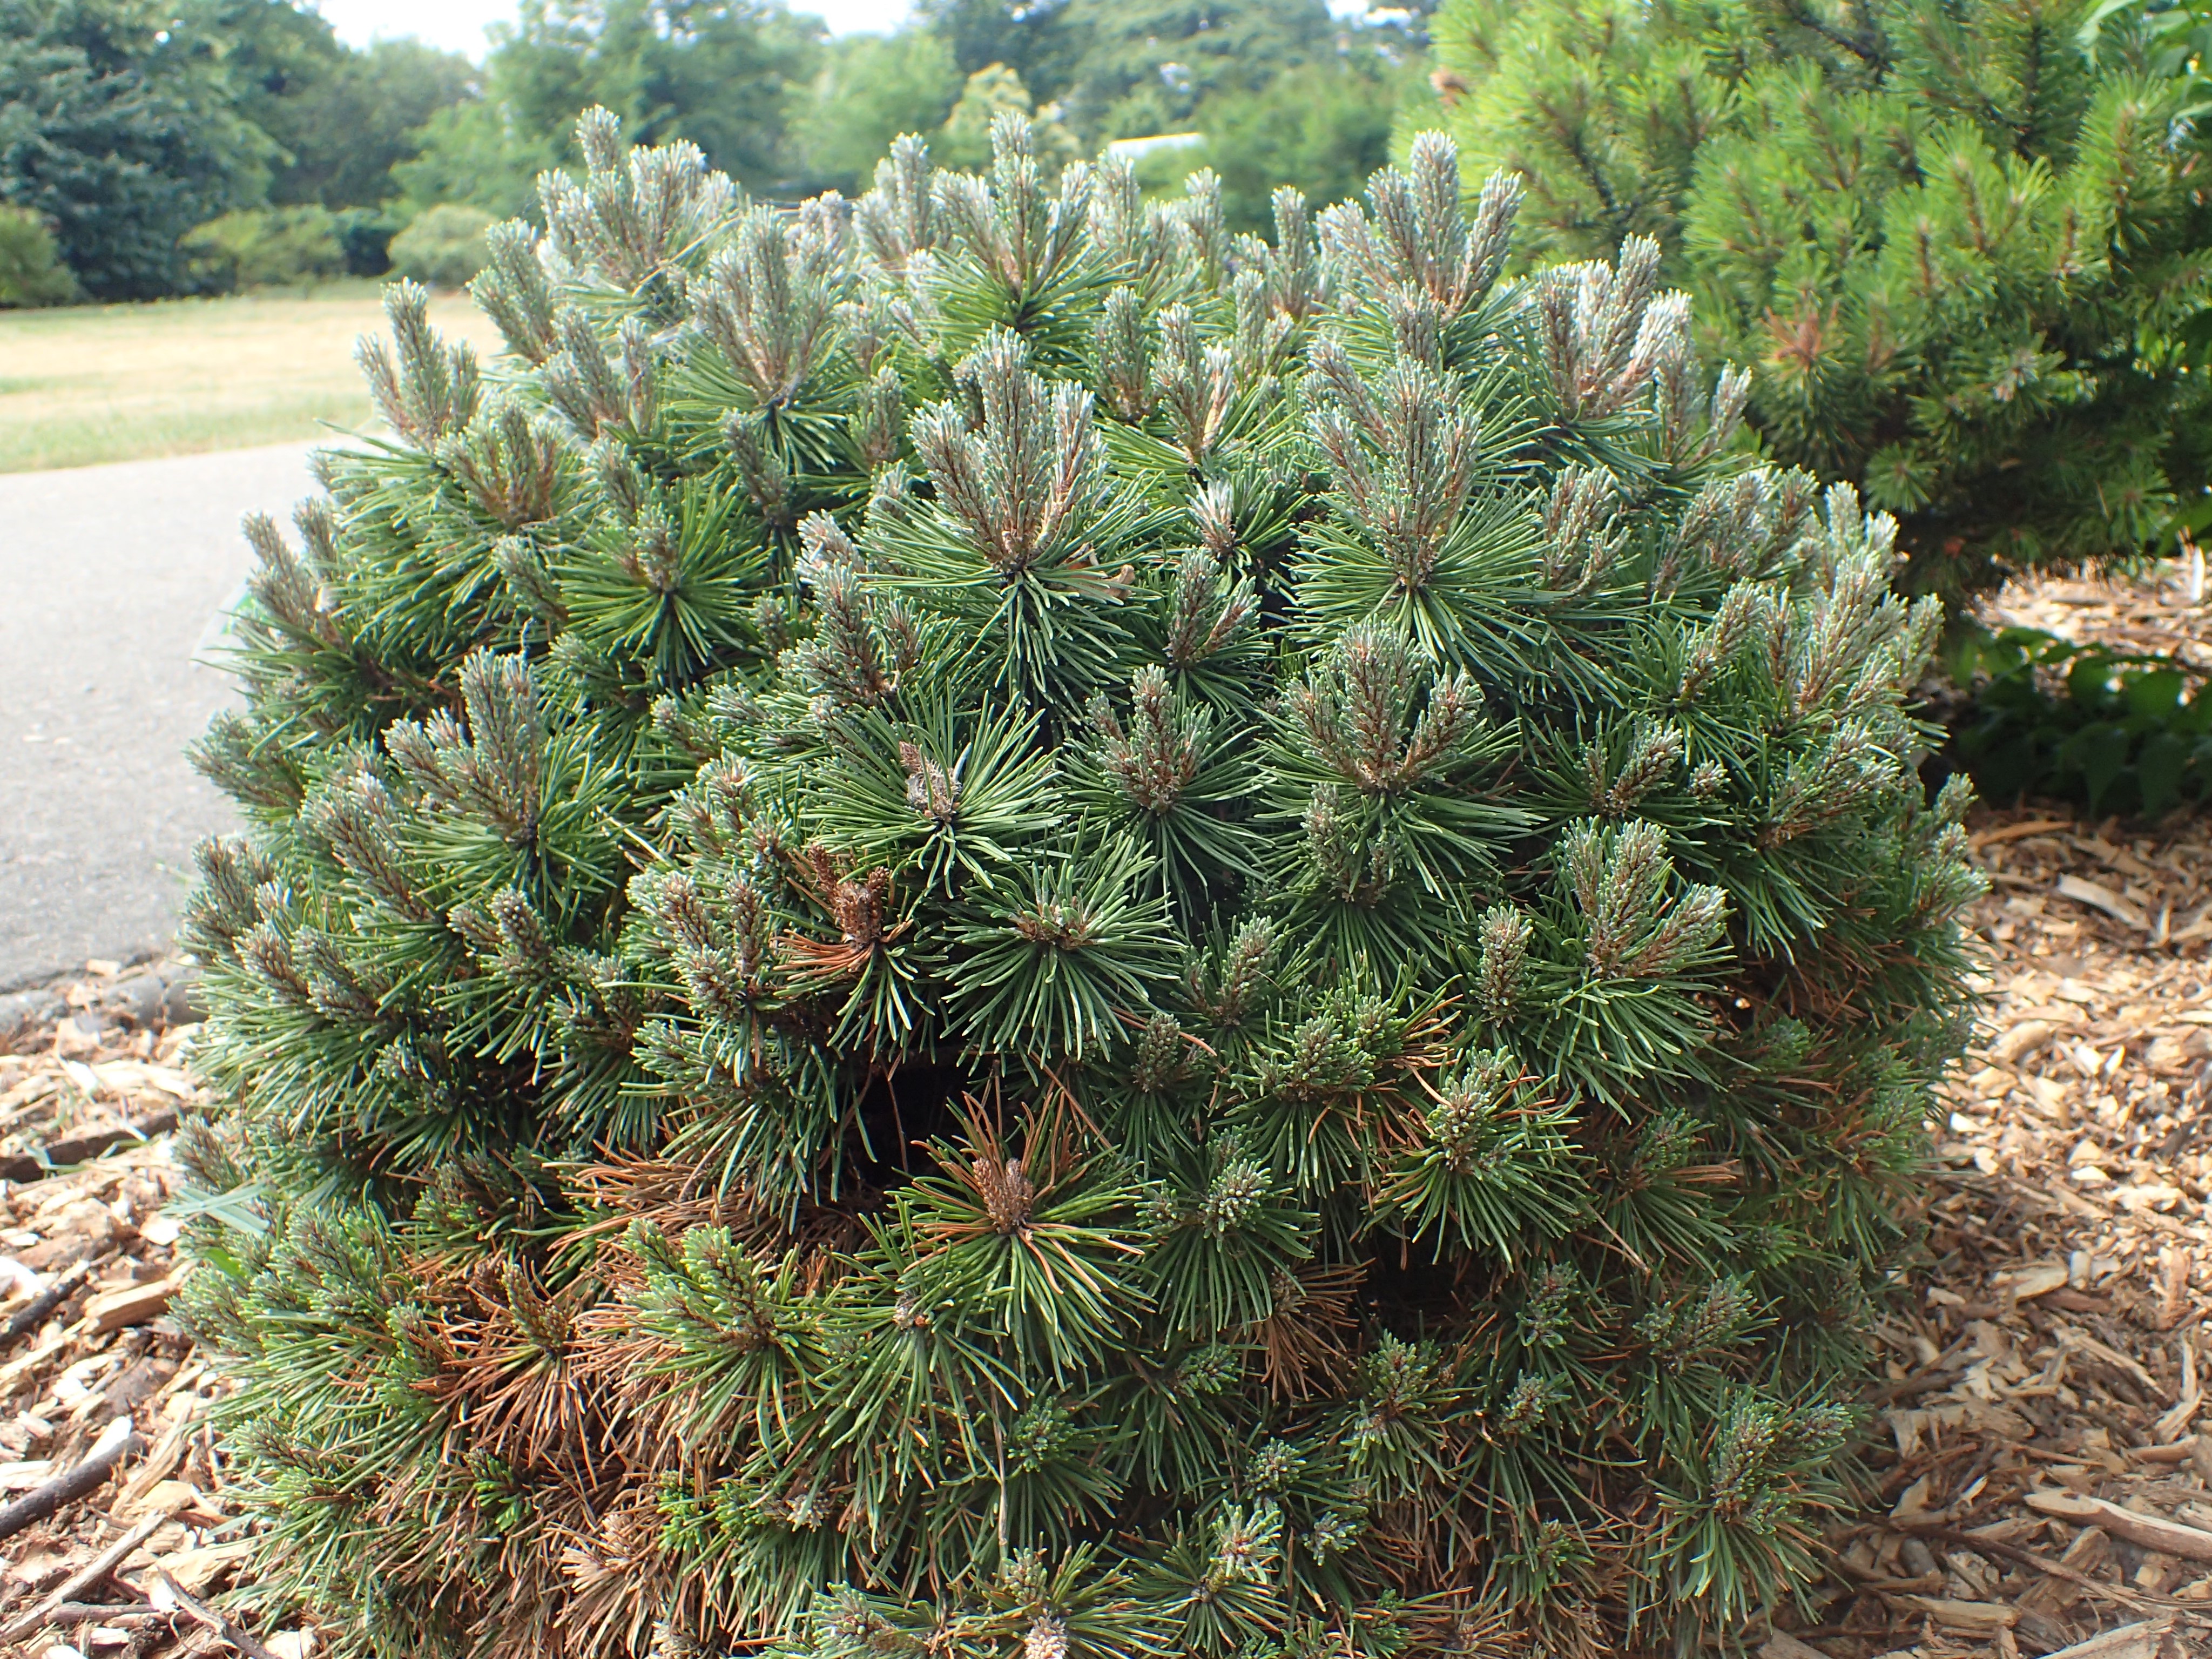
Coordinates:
(2116, 732)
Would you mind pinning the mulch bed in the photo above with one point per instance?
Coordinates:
(2042, 1479)
(2160, 611)
(2042, 1441)
(90, 1357)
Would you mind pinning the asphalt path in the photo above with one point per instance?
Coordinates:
(113, 583)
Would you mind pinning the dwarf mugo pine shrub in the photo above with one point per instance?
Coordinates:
(978, 922)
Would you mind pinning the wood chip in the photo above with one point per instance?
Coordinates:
(2021, 1040)
(164, 1458)
(2149, 1638)
(1965, 1615)
(2152, 1532)
(2098, 896)
(81, 1188)
(22, 1477)
(197, 1569)
(2068, 1215)
(172, 1498)
(114, 1310)
(2039, 1279)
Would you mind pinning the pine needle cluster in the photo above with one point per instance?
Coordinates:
(977, 922)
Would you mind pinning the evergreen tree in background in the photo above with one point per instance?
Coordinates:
(980, 922)
(124, 126)
(1960, 256)
(119, 130)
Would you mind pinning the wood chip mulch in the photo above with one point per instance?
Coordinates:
(91, 1363)
(2043, 1441)
(2160, 611)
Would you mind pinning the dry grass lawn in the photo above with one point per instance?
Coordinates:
(114, 383)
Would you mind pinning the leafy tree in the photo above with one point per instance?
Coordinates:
(475, 154)
(721, 74)
(1146, 65)
(1952, 247)
(871, 89)
(119, 130)
(341, 117)
(1326, 124)
(271, 53)
(1034, 38)
(350, 131)
(279, 65)
(984, 922)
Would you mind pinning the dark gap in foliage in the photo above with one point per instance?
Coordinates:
(899, 1116)
(1410, 1292)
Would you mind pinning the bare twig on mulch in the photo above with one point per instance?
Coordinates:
(79, 1480)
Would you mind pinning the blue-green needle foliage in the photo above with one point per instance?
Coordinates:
(978, 923)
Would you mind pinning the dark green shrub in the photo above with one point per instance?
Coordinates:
(442, 246)
(2117, 732)
(31, 269)
(265, 247)
(366, 235)
(118, 127)
(1952, 249)
(980, 924)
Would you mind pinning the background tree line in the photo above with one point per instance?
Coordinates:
(160, 147)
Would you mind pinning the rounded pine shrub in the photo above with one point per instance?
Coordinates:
(980, 922)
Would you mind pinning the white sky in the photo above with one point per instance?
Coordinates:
(459, 25)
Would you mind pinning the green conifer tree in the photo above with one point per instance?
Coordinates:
(979, 923)
(1959, 254)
